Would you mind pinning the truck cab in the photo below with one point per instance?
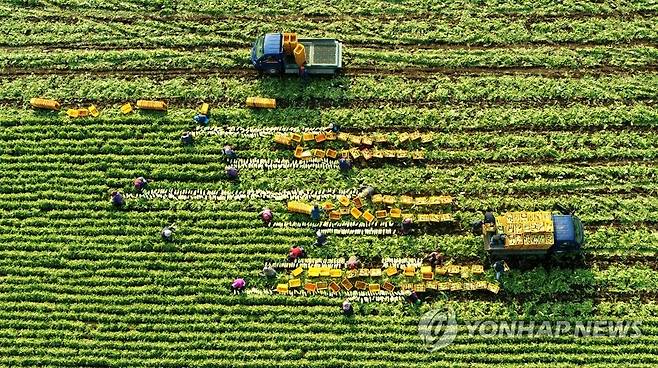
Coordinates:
(272, 54)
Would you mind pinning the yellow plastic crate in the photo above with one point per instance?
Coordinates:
(373, 288)
(347, 284)
(335, 272)
(395, 213)
(477, 269)
(380, 214)
(297, 271)
(410, 271)
(282, 139)
(454, 269)
(296, 137)
(311, 287)
(456, 286)
(357, 202)
(406, 200)
(126, 108)
(294, 283)
(425, 269)
(375, 272)
(494, 288)
(282, 288)
(325, 271)
(93, 111)
(259, 102)
(376, 198)
(391, 271)
(364, 272)
(388, 286)
(420, 288)
(388, 199)
(331, 153)
(344, 201)
(44, 103)
(318, 153)
(152, 105)
(356, 213)
(308, 137)
(204, 108)
(334, 287)
(313, 272)
(299, 150)
(320, 138)
(334, 215)
(322, 285)
(368, 216)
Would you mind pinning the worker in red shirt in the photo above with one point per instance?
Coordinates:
(295, 253)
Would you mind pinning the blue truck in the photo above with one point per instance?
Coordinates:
(284, 53)
(530, 234)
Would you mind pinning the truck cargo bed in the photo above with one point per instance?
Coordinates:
(323, 56)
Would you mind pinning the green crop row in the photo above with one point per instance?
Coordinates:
(337, 8)
(470, 30)
(354, 58)
(361, 89)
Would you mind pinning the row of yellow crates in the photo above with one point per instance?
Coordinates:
(425, 271)
(354, 153)
(359, 140)
(49, 104)
(389, 287)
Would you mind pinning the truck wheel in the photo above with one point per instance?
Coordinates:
(272, 71)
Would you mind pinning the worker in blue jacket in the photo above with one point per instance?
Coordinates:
(344, 164)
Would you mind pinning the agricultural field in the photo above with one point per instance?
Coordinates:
(526, 104)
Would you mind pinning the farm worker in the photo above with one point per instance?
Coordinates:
(186, 138)
(333, 127)
(413, 298)
(228, 152)
(353, 263)
(406, 225)
(267, 216)
(140, 183)
(295, 253)
(498, 241)
(201, 119)
(238, 284)
(499, 267)
(168, 232)
(347, 308)
(367, 192)
(232, 173)
(117, 199)
(303, 74)
(435, 258)
(315, 212)
(344, 164)
(489, 217)
(320, 238)
(268, 271)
